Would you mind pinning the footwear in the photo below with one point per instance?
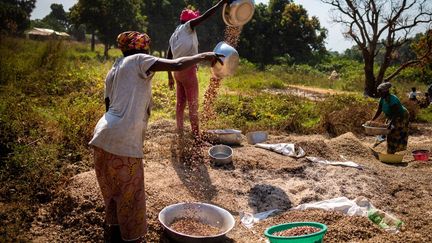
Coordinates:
(140, 240)
(112, 234)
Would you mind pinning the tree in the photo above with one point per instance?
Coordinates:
(108, 18)
(85, 13)
(78, 31)
(15, 15)
(353, 53)
(57, 19)
(303, 37)
(161, 26)
(276, 7)
(59, 16)
(211, 31)
(255, 38)
(282, 32)
(423, 50)
(381, 24)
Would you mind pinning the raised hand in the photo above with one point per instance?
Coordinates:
(213, 57)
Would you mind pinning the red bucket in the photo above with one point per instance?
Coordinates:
(421, 155)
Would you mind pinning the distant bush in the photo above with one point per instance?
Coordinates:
(425, 115)
(414, 74)
(412, 107)
(345, 113)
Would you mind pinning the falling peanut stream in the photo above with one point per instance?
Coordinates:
(231, 36)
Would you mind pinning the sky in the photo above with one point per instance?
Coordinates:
(334, 42)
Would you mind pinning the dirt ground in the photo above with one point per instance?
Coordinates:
(311, 93)
(260, 180)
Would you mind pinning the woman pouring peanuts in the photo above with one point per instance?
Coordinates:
(184, 42)
(119, 135)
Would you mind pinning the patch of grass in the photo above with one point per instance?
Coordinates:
(425, 115)
(50, 102)
(264, 112)
(249, 78)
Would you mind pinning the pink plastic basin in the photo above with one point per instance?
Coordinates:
(421, 155)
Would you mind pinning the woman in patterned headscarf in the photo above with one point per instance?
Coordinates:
(184, 42)
(119, 135)
(398, 116)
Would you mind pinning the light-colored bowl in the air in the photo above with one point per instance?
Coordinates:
(376, 130)
(221, 154)
(203, 212)
(238, 13)
(230, 59)
(256, 137)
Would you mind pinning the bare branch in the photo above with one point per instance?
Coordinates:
(407, 64)
(355, 37)
(357, 19)
(402, 67)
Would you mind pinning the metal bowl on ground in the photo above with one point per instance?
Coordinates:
(256, 137)
(421, 155)
(391, 158)
(238, 13)
(230, 60)
(203, 212)
(220, 154)
(376, 130)
(225, 136)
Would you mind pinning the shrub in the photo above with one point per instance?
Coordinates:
(345, 113)
(412, 107)
(425, 115)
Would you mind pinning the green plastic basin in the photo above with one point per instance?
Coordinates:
(310, 238)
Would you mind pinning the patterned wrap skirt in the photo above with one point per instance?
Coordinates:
(397, 139)
(121, 180)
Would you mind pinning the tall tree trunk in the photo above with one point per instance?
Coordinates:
(93, 41)
(370, 82)
(106, 48)
(385, 64)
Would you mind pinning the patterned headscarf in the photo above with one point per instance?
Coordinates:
(384, 87)
(188, 14)
(133, 40)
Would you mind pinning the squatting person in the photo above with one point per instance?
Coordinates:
(398, 116)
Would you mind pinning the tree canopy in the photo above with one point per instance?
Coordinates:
(15, 15)
(283, 32)
(109, 18)
(57, 19)
(296, 37)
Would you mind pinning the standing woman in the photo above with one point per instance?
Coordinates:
(398, 116)
(184, 42)
(119, 135)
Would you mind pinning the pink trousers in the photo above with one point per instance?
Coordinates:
(121, 180)
(187, 92)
